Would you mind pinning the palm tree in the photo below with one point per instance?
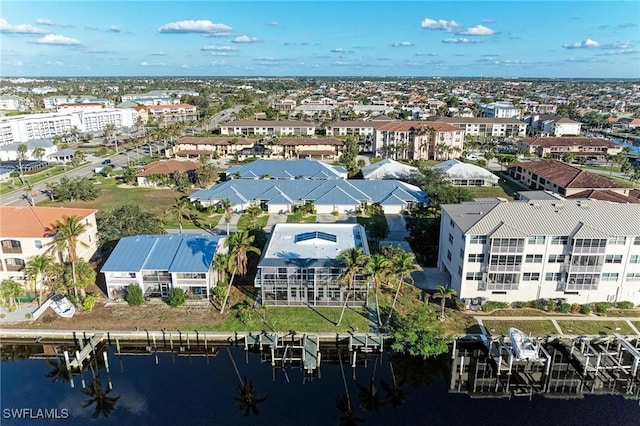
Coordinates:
(228, 209)
(36, 268)
(403, 264)
(353, 261)
(29, 192)
(443, 293)
(109, 130)
(378, 268)
(240, 245)
(38, 152)
(181, 210)
(221, 265)
(22, 155)
(66, 233)
(11, 291)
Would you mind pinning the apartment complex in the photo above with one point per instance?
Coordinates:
(414, 140)
(560, 177)
(487, 126)
(553, 125)
(268, 128)
(25, 233)
(556, 147)
(168, 114)
(500, 110)
(511, 251)
(299, 265)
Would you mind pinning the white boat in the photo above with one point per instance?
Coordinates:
(62, 306)
(523, 346)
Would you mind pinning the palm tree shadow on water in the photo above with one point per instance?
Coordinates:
(105, 404)
(246, 399)
(348, 416)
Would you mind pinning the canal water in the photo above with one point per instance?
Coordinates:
(627, 144)
(178, 389)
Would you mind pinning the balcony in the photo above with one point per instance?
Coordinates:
(11, 249)
(504, 268)
(494, 249)
(588, 250)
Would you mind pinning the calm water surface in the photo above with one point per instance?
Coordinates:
(182, 390)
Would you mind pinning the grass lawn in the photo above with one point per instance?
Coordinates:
(245, 220)
(623, 313)
(6, 187)
(509, 187)
(529, 312)
(594, 327)
(298, 318)
(297, 217)
(488, 192)
(533, 327)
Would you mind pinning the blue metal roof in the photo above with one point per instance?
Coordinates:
(171, 252)
(288, 169)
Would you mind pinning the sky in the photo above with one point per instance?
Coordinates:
(550, 39)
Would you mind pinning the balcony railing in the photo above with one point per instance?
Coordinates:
(11, 249)
(505, 268)
(507, 249)
(15, 267)
(588, 250)
(192, 281)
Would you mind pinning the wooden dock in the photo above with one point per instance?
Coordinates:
(85, 353)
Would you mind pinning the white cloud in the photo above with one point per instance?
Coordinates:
(56, 63)
(584, 44)
(158, 54)
(211, 47)
(57, 40)
(203, 26)
(460, 40)
(245, 39)
(214, 53)
(426, 54)
(478, 30)
(6, 27)
(441, 24)
(115, 29)
(273, 24)
(153, 64)
(402, 44)
(44, 22)
(341, 50)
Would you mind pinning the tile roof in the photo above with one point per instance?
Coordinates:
(170, 106)
(33, 222)
(549, 142)
(405, 126)
(604, 195)
(567, 176)
(268, 123)
(170, 252)
(225, 140)
(310, 141)
(166, 167)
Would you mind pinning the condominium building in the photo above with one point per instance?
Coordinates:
(266, 128)
(500, 110)
(9, 102)
(487, 126)
(299, 265)
(553, 125)
(556, 147)
(167, 114)
(413, 140)
(581, 251)
(25, 233)
(52, 102)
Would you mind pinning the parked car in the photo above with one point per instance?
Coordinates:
(107, 161)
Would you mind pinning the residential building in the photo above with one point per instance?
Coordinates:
(225, 147)
(80, 107)
(327, 196)
(500, 110)
(466, 174)
(351, 128)
(52, 102)
(556, 147)
(158, 263)
(268, 128)
(25, 233)
(316, 148)
(560, 177)
(159, 172)
(387, 169)
(287, 170)
(299, 266)
(284, 105)
(175, 113)
(486, 127)
(15, 103)
(10, 152)
(415, 140)
(542, 249)
(553, 125)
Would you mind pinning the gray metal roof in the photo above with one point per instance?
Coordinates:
(171, 252)
(547, 217)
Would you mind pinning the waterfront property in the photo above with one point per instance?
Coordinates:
(486, 127)
(328, 196)
(560, 177)
(25, 233)
(577, 250)
(553, 125)
(299, 265)
(158, 263)
(595, 149)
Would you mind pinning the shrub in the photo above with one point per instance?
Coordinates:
(73, 299)
(565, 308)
(625, 305)
(89, 302)
(491, 305)
(27, 315)
(585, 309)
(176, 297)
(2, 315)
(602, 307)
(552, 306)
(536, 304)
(575, 308)
(520, 305)
(134, 295)
(219, 291)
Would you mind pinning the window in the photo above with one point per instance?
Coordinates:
(634, 276)
(38, 244)
(478, 239)
(450, 239)
(451, 222)
(609, 276)
(474, 276)
(531, 276)
(586, 260)
(582, 282)
(556, 258)
(588, 243)
(538, 239)
(634, 259)
(553, 276)
(617, 241)
(448, 255)
(559, 240)
(613, 258)
(505, 260)
(459, 271)
(461, 253)
(479, 258)
(502, 281)
(533, 258)
(636, 241)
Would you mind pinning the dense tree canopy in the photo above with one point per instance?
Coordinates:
(71, 189)
(419, 333)
(125, 221)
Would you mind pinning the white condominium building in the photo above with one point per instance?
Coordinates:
(578, 250)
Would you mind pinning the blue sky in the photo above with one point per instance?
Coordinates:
(569, 39)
